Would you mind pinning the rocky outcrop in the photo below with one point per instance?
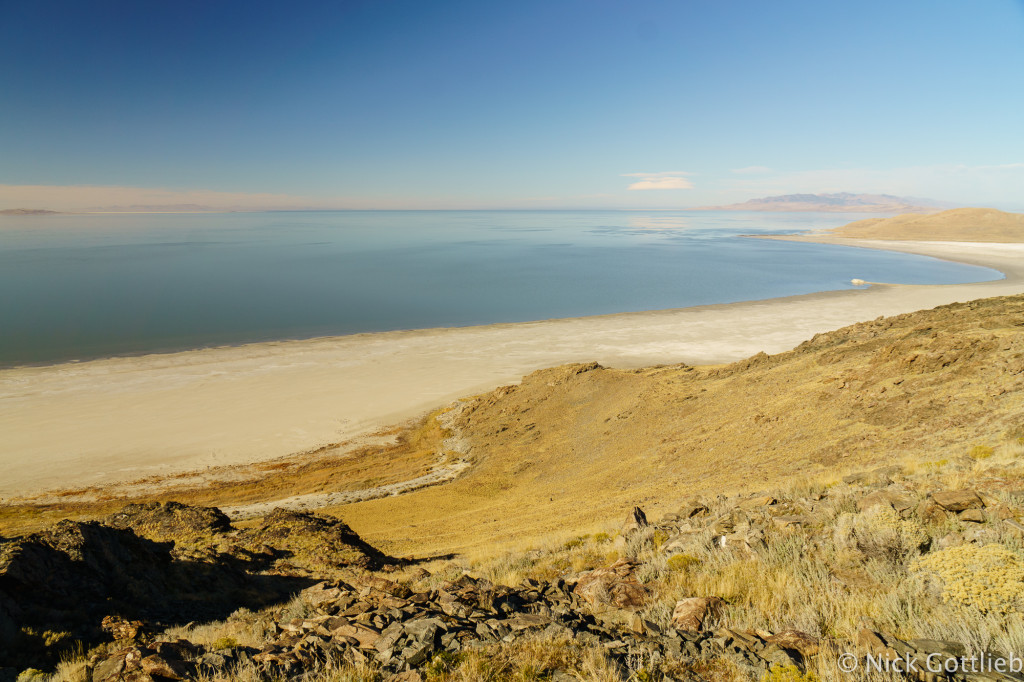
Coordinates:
(372, 620)
(304, 543)
(73, 575)
(170, 521)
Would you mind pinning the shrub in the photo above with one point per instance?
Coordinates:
(981, 452)
(787, 673)
(880, 533)
(224, 643)
(681, 562)
(575, 542)
(986, 578)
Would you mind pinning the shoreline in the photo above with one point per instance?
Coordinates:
(98, 422)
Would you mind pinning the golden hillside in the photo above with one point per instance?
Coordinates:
(575, 445)
(958, 225)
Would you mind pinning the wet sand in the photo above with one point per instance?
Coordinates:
(114, 420)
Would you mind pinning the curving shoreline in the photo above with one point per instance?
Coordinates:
(104, 421)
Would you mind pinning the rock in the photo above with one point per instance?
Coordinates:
(973, 516)
(690, 614)
(407, 676)
(158, 666)
(750, 542)
(775, 655)
(789, 520)
(806, 645)
(364, 636)
(957, 500)
(123, 630)
(419, 573)
(891, 498)
(930, 512)
(108, 669)
(320, 593)
(691, 510)
(613, 585)
(636, 520)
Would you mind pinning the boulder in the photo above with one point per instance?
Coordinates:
(899, 502)
(690, 614)
(957, 500)
(973, 516)
(613, 585)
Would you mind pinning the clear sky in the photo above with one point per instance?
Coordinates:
(525, 104)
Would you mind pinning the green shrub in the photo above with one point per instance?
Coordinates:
(787, 673)
(981, 452)
(224, 643)
(682, 562)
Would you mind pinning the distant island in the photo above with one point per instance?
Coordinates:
(27, 211)
(841, 202)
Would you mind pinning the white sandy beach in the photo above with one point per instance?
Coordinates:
(105, 421)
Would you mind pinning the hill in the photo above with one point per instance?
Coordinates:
(572, 445)
(859, 493)
(959, 224)
(840, 202)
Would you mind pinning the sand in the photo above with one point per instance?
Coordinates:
(106, 421)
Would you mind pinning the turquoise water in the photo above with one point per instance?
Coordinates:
(86, 286)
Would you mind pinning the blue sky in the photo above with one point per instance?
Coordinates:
(526, 104)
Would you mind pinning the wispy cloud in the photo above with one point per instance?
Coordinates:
(752, 170)
(110, 198)
(660, 180)
(660, 174)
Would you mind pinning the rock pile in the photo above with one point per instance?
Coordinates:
(377, 621)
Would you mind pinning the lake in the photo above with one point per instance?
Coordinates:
(96, 285)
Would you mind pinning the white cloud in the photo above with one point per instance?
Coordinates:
(662, 183)
(660, 180)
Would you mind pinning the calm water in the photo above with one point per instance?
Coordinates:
(75, 287)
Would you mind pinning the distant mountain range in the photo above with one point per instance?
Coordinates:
(840, 202)
(27, 211)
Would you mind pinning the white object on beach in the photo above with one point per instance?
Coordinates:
(857, 282)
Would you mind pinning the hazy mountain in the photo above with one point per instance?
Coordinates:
(27, 211)
(840, 202)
